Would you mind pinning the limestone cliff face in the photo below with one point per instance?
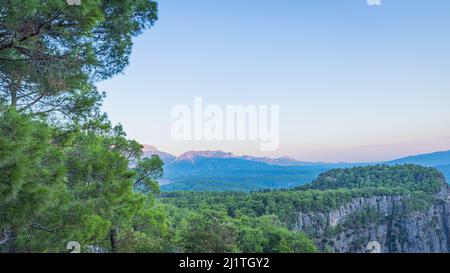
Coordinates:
(391, 221)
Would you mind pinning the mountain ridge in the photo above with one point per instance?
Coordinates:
(190, 155)
(224, 171)
(428, 159)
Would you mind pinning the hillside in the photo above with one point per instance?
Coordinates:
(234, 174)
(150, 150)
(445, 169)
(405, 208)
(430, 160)
(224, 171)
(438, 160)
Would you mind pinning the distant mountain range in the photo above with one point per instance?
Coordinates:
(430, 160)
(438, 160)
(222, 171)
(192, 156)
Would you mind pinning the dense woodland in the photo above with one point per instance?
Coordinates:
(68, 174)
(332, 189)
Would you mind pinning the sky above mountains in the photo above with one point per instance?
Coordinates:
(354, 82)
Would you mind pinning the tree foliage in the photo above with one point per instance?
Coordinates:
(30, 166)
(67, 173)
(52, 53)
(331, 190)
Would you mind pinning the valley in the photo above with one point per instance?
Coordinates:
(404, 208)
(222, 171)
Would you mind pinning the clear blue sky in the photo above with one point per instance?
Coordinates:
(354, 82)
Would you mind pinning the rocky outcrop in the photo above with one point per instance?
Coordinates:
(394, 222)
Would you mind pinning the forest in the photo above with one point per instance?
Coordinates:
(331, 190)
(68, 174)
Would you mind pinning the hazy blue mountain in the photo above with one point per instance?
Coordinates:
(233, 174)
(431, 160)
(281, 161)
(222, 171)
(445, 169)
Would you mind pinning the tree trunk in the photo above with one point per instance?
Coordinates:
(13, 98)
(113, 239)
(8, 239)
(12, 242)
(13, 88)
(4, 237)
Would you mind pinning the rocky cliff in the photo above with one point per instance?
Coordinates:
(387, 224)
